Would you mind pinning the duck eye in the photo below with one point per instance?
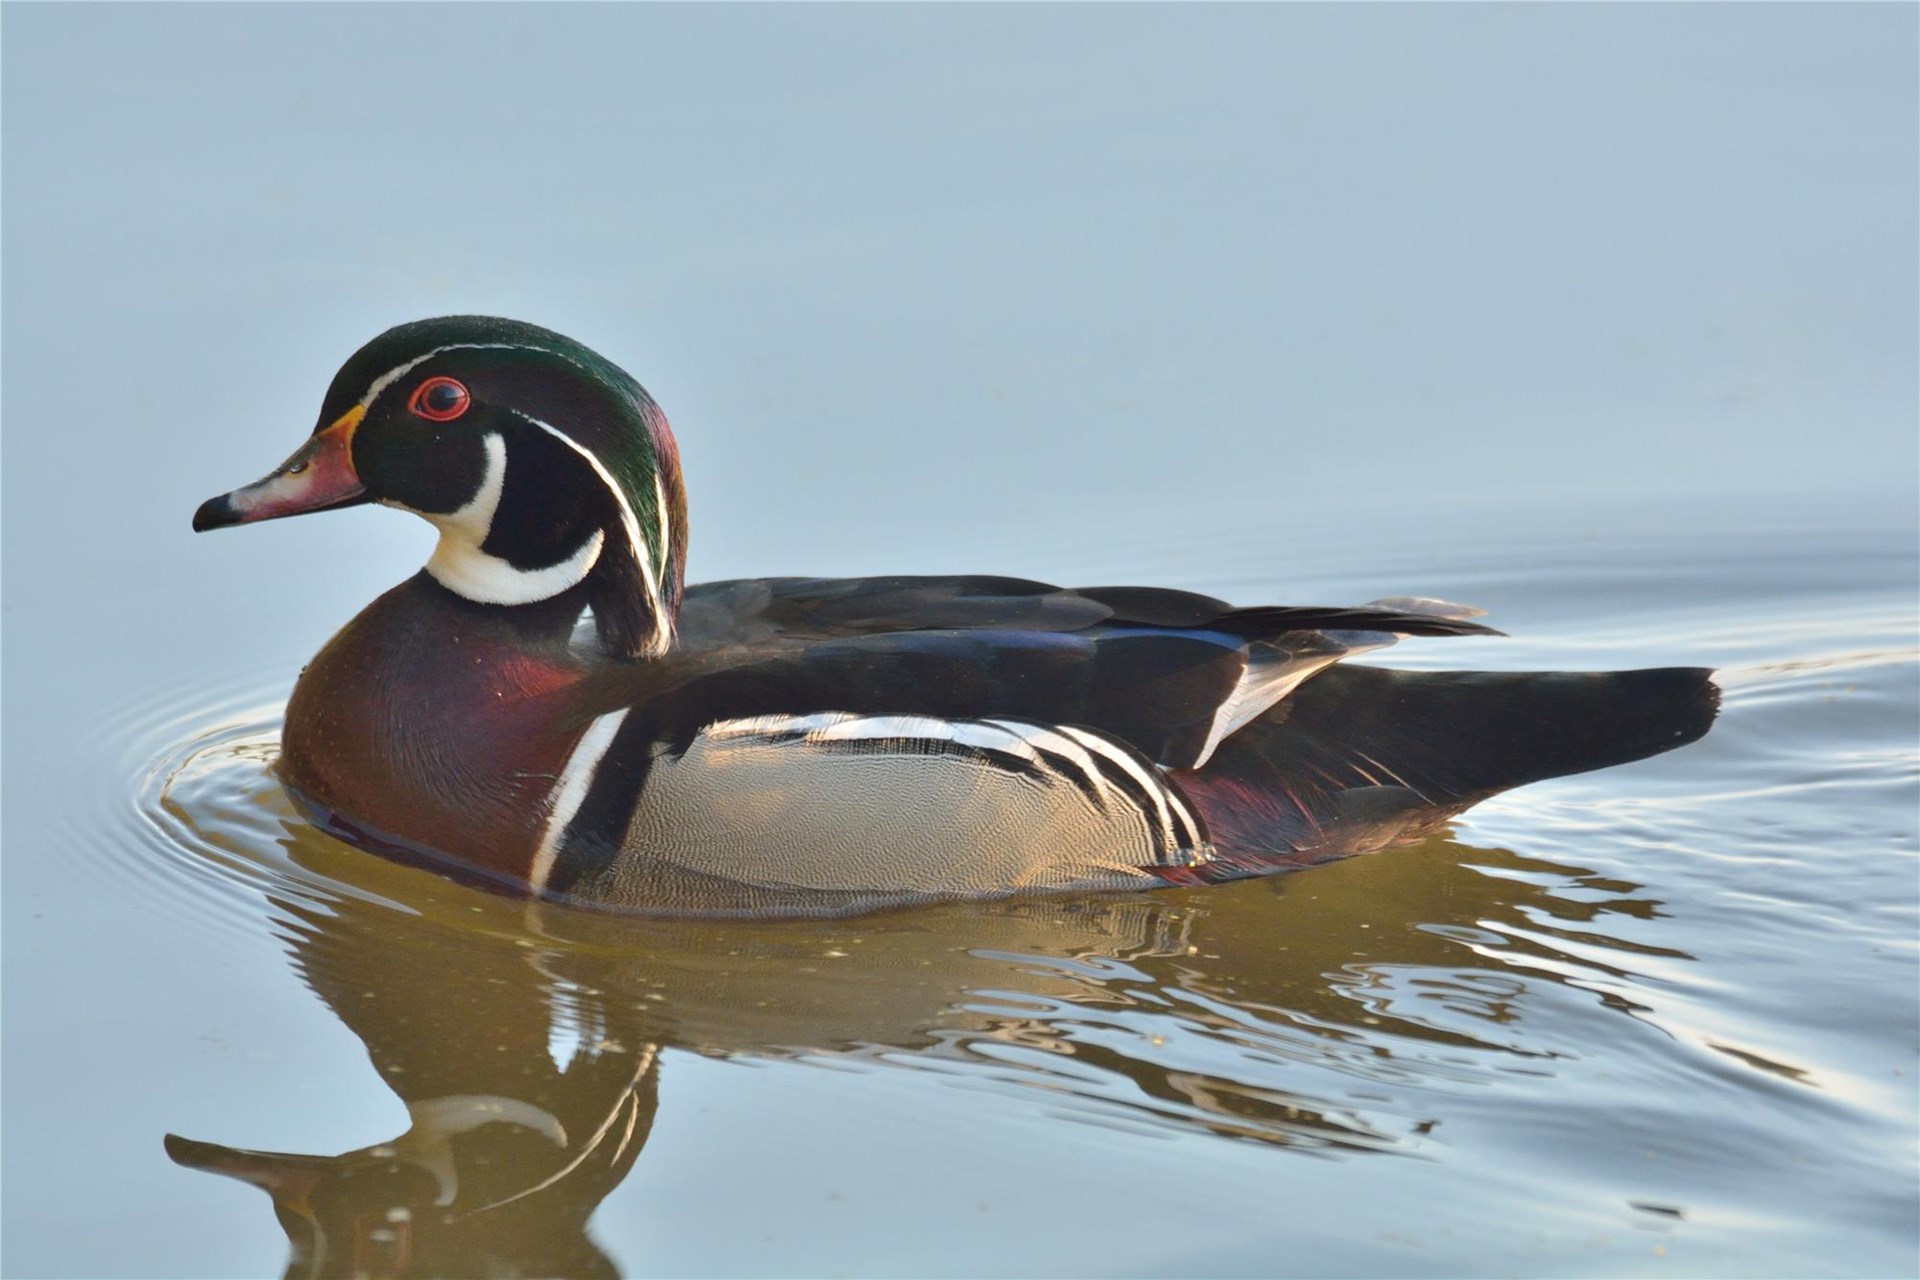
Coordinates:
(439, 400)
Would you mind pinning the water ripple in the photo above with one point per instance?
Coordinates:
(1676, 958)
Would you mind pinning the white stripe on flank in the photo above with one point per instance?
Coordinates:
(662, 638)
(1165, 809)
(1006, 737)
(1059, 744)
(571, 791)
(1267, 678)
(964, 733)
(1150, 782)
(769, 726)
(1195, 843)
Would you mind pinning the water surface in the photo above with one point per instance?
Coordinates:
(1602, 320)
(1653, 1019)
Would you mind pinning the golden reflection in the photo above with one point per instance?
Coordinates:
(1316, 1011)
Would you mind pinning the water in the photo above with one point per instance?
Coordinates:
(1656, 1020)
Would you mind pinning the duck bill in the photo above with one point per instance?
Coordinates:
(280, 1175)
(318, 477)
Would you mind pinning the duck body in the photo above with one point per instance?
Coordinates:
(546, 705)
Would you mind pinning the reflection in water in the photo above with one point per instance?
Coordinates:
(525, 1039)
(510, 1146)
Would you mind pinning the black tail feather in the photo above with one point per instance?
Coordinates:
(1360, 757)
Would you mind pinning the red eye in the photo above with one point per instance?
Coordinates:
(439, 400)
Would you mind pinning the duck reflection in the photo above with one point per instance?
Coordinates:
(526, 1041)
(525, 1107)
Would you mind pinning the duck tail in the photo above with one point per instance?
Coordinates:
(1359, 757)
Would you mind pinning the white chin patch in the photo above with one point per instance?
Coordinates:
(459, 565)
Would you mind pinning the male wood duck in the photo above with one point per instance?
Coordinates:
(811, 745)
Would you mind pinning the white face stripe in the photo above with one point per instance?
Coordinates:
(400, 371)
(583, 560)
(662, 637)
(666, 523)
(434, 1122)
(576, 777)
(459, 565)
(593, 1140)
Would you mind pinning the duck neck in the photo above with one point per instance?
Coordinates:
(622, 540)
(540, 627)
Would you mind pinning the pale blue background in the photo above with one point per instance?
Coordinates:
(976, 288)
(879, 262)
(949, 288)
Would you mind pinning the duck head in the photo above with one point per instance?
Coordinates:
(544, 466)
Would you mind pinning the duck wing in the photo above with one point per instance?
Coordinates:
(905, 737)
(1170, 673)
(744, 610)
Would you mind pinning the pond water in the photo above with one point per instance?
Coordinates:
(1656, 1020)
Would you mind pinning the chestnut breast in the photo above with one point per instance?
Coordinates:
(429, 720)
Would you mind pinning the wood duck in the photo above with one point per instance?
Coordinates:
(811, 745)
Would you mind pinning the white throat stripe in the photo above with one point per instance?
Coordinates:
(459, 564)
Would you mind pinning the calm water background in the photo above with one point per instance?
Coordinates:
(1604, 319)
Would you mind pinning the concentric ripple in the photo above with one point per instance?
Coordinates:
(199, 824)
(1345, 1007)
